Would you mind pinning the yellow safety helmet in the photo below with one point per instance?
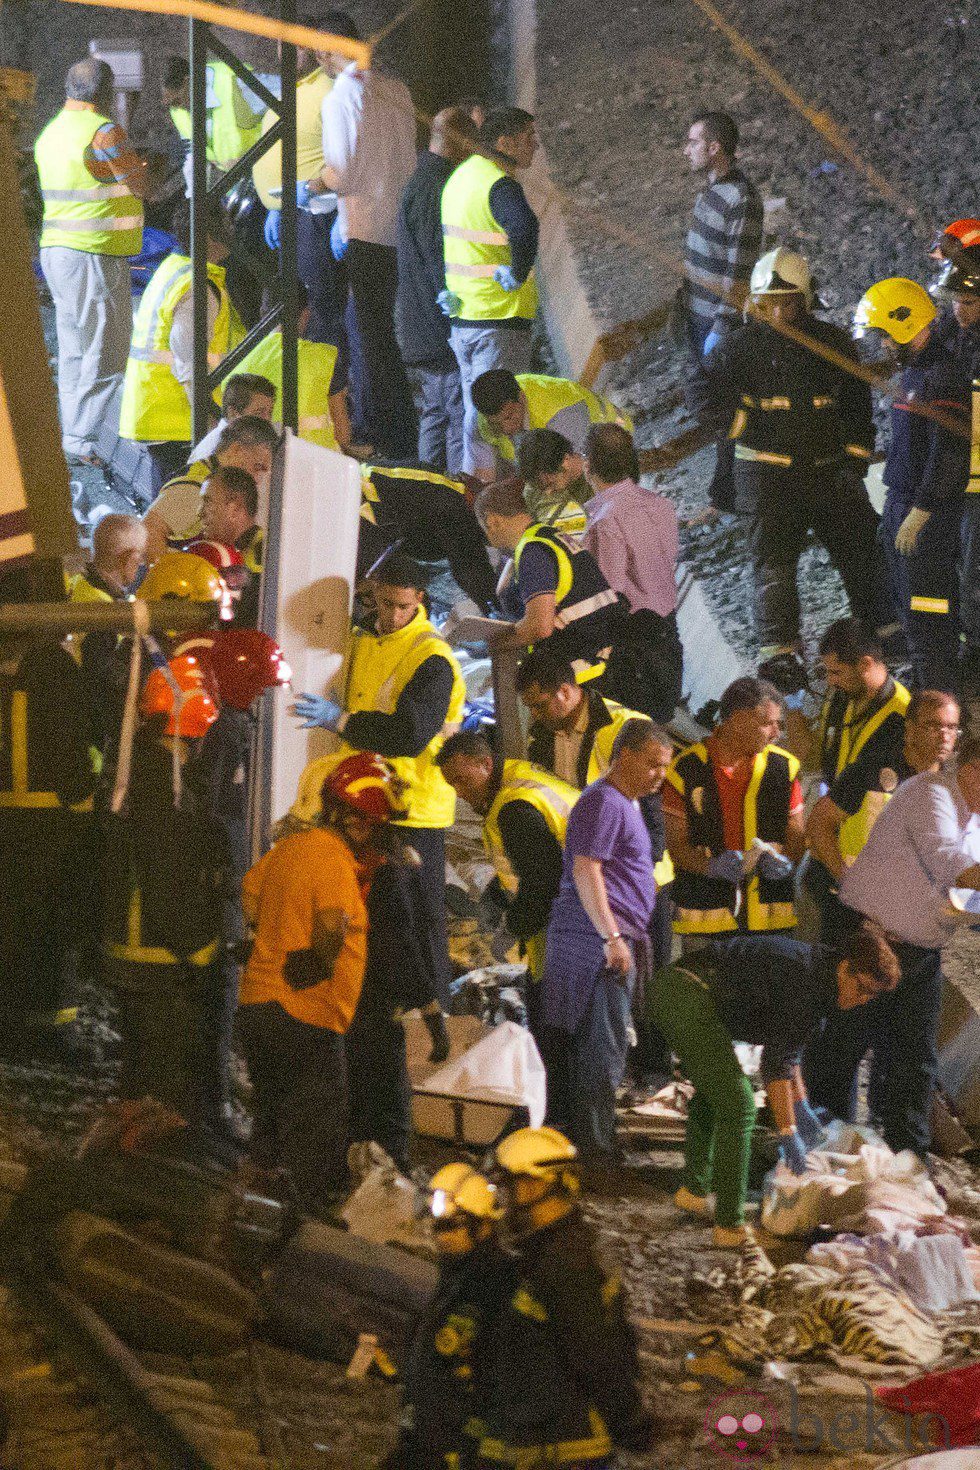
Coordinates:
(535, 1152)
(898, 307)
(460, 1189)
(181, 575)
(782, 272)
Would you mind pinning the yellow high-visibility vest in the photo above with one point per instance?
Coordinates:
(234, 126)
(545, 398)
(315, 363)
(267, 172)
(79, 211)
(475, 245)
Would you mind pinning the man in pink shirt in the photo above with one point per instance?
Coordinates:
(632, 533)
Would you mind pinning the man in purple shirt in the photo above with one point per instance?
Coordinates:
(598, 944)
(632, 533)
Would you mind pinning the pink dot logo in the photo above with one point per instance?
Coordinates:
(742, 1426)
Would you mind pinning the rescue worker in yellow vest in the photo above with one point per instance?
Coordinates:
(564, 1386)
(722, 798)
(232, 123)
(247, 443)
(448, 1371)
(556, 490)
(490, 243)
(508, 406)
(243, 395)
(228, 508)
(573, 729)
(93, 185)
(118, 554)
(322, 416)
(562, 595)
(401, 696)
(323, 276)
(157, 387)
(48, 770)
(430, 516)
(164, 875)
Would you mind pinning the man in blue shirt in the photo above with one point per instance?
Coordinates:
(925, 844)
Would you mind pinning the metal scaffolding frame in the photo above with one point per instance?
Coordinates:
(204, 43)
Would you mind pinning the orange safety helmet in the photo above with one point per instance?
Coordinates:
(954, 238)
(191, 712)
(368, 785)
(244, 663)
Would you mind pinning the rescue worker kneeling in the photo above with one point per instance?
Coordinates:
(446, 1377)
(564, 1380)
(305, 901)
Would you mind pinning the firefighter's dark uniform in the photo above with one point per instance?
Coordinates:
(964, 347)
(563, 1387)
(451, 1357)
(430, 516)
(803, 435)
(927, 469)
(399, 977)
(48, 772)
(165, 871)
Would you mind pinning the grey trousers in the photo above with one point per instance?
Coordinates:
(478, 349)
(94, 319)
(440, 405)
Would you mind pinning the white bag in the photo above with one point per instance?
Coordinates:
(502, 1072)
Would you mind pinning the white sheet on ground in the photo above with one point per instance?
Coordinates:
(505, 1066)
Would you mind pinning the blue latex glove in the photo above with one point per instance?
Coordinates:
(795, 701)
(726, 866)
(773, 867)
(338, 245)
(808, 1125)
(792, 1151)
(317, 712)
(506, 279)
(449, 303)
(302, 193)
(273, 225)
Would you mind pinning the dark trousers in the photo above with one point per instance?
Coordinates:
(299, 1103)
(432, 523)
(902, 1029)
(784, 506)
(441, 410)
(596, 1065)
(650, 1059)
(380, 1092)
(430, 844)
(925, 592)
(383, 413)
(167, 459)
(163, 1013)
(325, 280)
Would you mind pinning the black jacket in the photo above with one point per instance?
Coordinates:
(423, 330)
(775, 396)
(928, 463)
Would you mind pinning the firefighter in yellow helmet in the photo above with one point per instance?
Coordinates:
(564, 1383)
(182, 577)
(447, 1370)
(925, 474)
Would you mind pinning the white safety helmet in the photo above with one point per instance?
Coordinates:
(782, 272)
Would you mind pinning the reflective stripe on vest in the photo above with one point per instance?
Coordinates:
(566, 613)
(137, 953)
(81, 212)
(155, 407)
(475, 246)
(851, 745)
(19, 796)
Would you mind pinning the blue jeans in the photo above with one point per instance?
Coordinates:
(597, 1064)
(440, 417)
(478, 349)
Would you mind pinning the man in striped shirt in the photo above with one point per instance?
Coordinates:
(723, 244)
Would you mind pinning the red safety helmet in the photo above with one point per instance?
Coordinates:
(192, 713)
(368, 785)
(245, 662)
(229, 563)
(960, 276)
(955, 237)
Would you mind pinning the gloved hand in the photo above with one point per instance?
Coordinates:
(792, 1151)
(773, 866)
(501, 943)
(435, 1024)
(449, 303)
(808, 1125)
(273, 226)
(302, 193)
(726, 866)
(910, 530)
(506, 279)
(317, 711)
(338, 244)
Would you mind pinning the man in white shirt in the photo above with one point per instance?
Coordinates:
(369, 148)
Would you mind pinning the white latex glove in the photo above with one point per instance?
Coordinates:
(910, 530)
